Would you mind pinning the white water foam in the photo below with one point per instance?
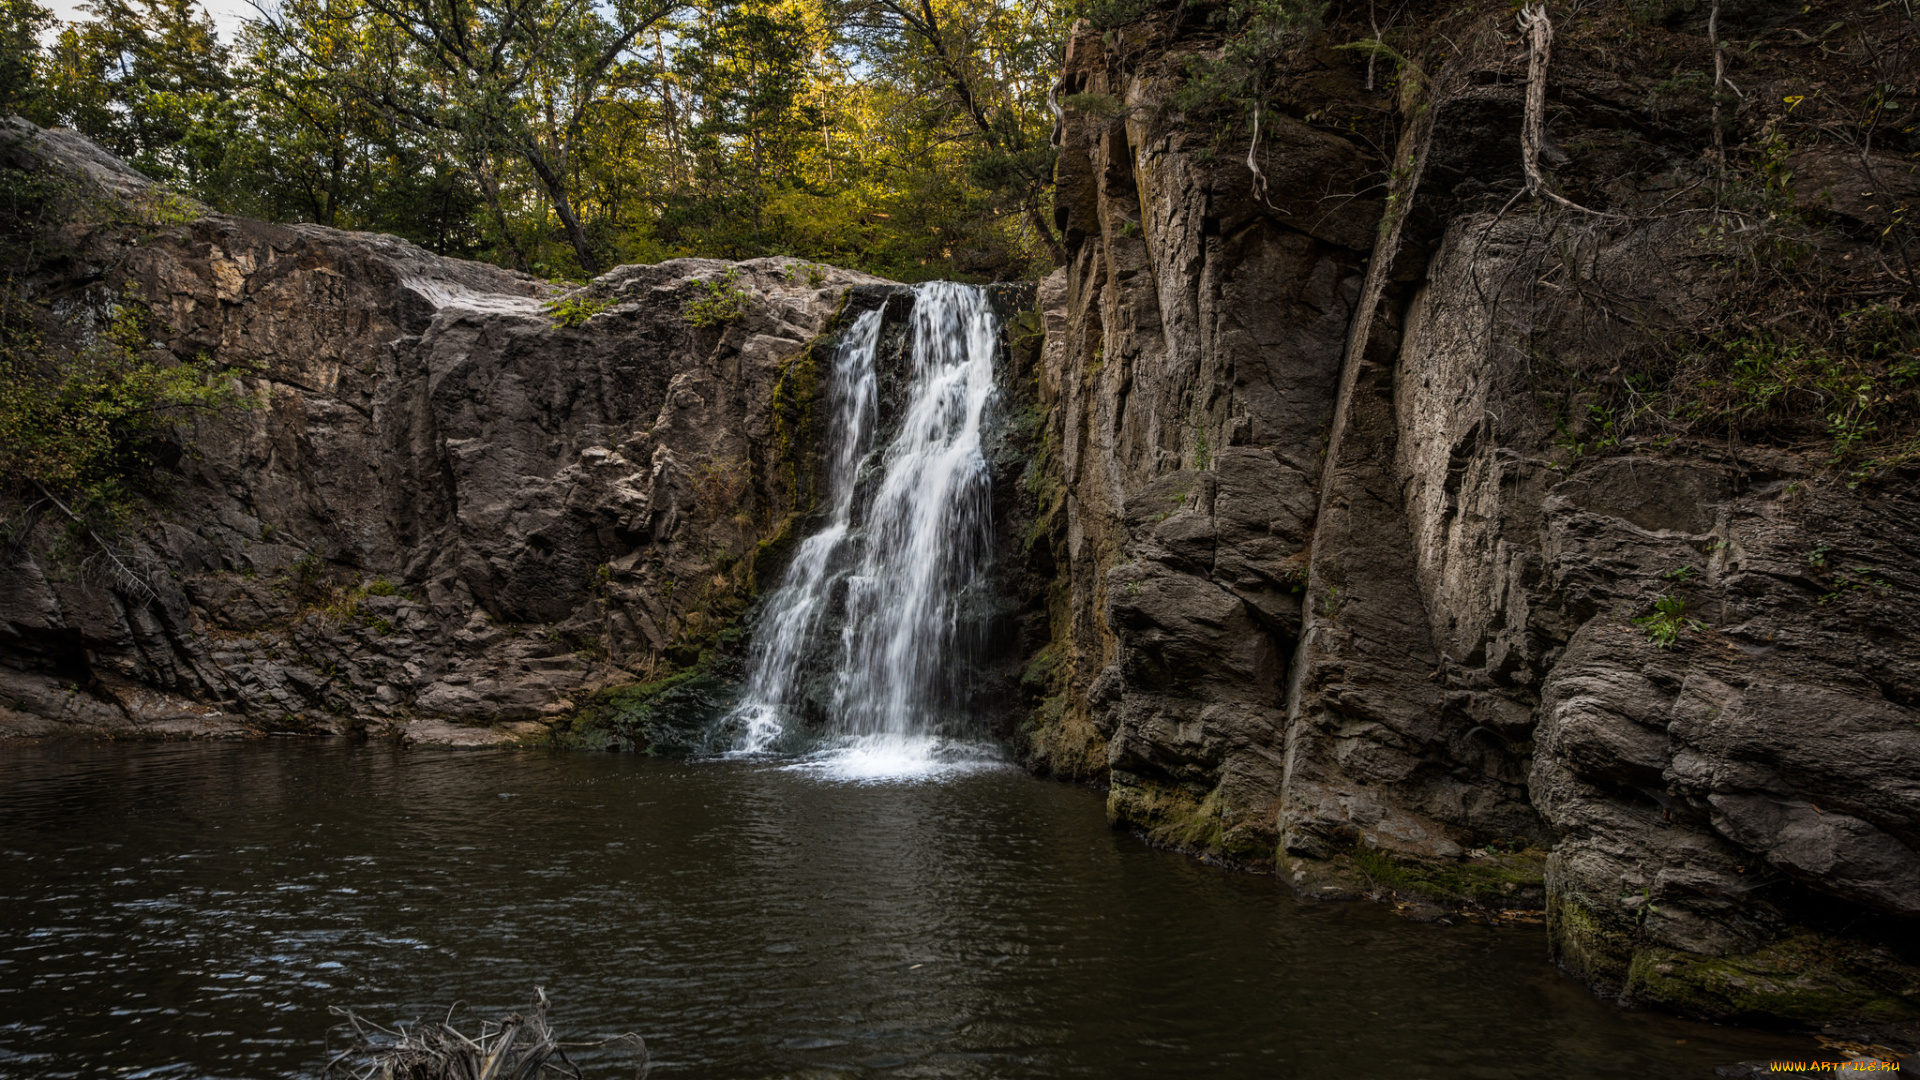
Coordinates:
(895, 759)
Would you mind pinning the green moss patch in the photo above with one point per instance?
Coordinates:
(672, 715)
(1509, 880)
(1060, 741)
(1172, 815)
(1810, 978)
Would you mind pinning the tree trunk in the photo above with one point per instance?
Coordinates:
(557, 194)
(1055, 249)
(491, 190)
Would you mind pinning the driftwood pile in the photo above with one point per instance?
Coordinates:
(520, 1046)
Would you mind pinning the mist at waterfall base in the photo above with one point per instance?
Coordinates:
(862, 657)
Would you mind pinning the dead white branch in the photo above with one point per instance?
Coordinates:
(516, 1047)
(1533, 125)
(131, 582)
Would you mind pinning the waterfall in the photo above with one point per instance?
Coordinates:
(871, 624)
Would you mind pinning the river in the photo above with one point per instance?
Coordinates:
(192, 910)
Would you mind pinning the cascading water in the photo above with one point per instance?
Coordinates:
(872, 622)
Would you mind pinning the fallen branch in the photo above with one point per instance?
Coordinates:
(515, 1047)
(130, 581)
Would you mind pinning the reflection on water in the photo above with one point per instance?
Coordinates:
(192, 910)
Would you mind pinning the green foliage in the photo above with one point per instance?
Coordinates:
(1332, 602)
(21, 24)
(1409, 75)
(89, 424)
(151, 81)
(812, 273)
(1866, 382)
(1244, 75)
(1264, 34)
(575, 309)
(1856, 579)
(554, 137)
(1853, 389)
(1202, 449)
(717, 302)
(1113, 14)
(1104, 106)
(1297, 569)
(1668, 619)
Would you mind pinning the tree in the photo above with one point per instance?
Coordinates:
(21, 24)
(148, 80)
(484, 79)
(904, 137)
(748, 130)
(987, 64)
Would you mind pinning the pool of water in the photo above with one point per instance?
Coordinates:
(193, 910)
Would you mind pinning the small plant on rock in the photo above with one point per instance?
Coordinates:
(1331, 604)
(717, 303)
(575, 310)
(1668, 619)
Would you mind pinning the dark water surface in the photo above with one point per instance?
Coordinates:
(192, 910)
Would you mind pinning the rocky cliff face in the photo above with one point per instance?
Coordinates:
(1361, 574)
(461, 501)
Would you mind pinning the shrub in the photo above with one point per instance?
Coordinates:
(89, 424)
(1668, 619)
(717, 303)
(576, 309)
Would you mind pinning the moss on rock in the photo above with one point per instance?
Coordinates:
(1807, 976)
(1503, 880)
(671, 715)
(1207, 824)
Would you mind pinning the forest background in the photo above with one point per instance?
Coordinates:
(907, 138)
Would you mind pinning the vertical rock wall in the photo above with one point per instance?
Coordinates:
(1346, 568)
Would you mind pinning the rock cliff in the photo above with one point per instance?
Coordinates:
(1369, 566)
(462, 500)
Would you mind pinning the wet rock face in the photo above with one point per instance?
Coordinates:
(1333, 595)
(443, 508)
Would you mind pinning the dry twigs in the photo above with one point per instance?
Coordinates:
(515, 1047)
